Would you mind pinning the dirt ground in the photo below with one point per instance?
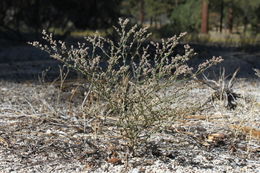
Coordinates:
(43, 132)
(42, 129)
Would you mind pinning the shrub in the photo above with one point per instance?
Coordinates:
(138, 83)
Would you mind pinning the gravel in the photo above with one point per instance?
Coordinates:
(38, 134)
(41, 130)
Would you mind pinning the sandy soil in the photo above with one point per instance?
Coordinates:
(42, 129)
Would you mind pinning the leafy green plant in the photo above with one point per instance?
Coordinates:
(139, 83)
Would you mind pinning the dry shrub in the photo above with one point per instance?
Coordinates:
(138, 83)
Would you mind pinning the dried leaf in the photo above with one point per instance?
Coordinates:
(4, 142)
(114, 161)
(215, 137)
(255, 133)
(89, 165)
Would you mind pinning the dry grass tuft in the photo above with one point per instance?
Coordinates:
(257, 72)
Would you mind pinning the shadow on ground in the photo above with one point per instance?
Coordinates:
(20, 62)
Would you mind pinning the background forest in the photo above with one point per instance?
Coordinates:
(126, 100)
(239, 18)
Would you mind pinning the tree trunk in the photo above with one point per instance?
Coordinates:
(176, 3)
(151, 21)
(221, 16)
(142, 12)
(245, 22)
(230, 19)
(204, 16)
(155, 23)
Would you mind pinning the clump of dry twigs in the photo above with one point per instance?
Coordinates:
(223, 89)
(130, 78)
(257, 72)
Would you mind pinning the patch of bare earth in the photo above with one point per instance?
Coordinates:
(43, 130)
